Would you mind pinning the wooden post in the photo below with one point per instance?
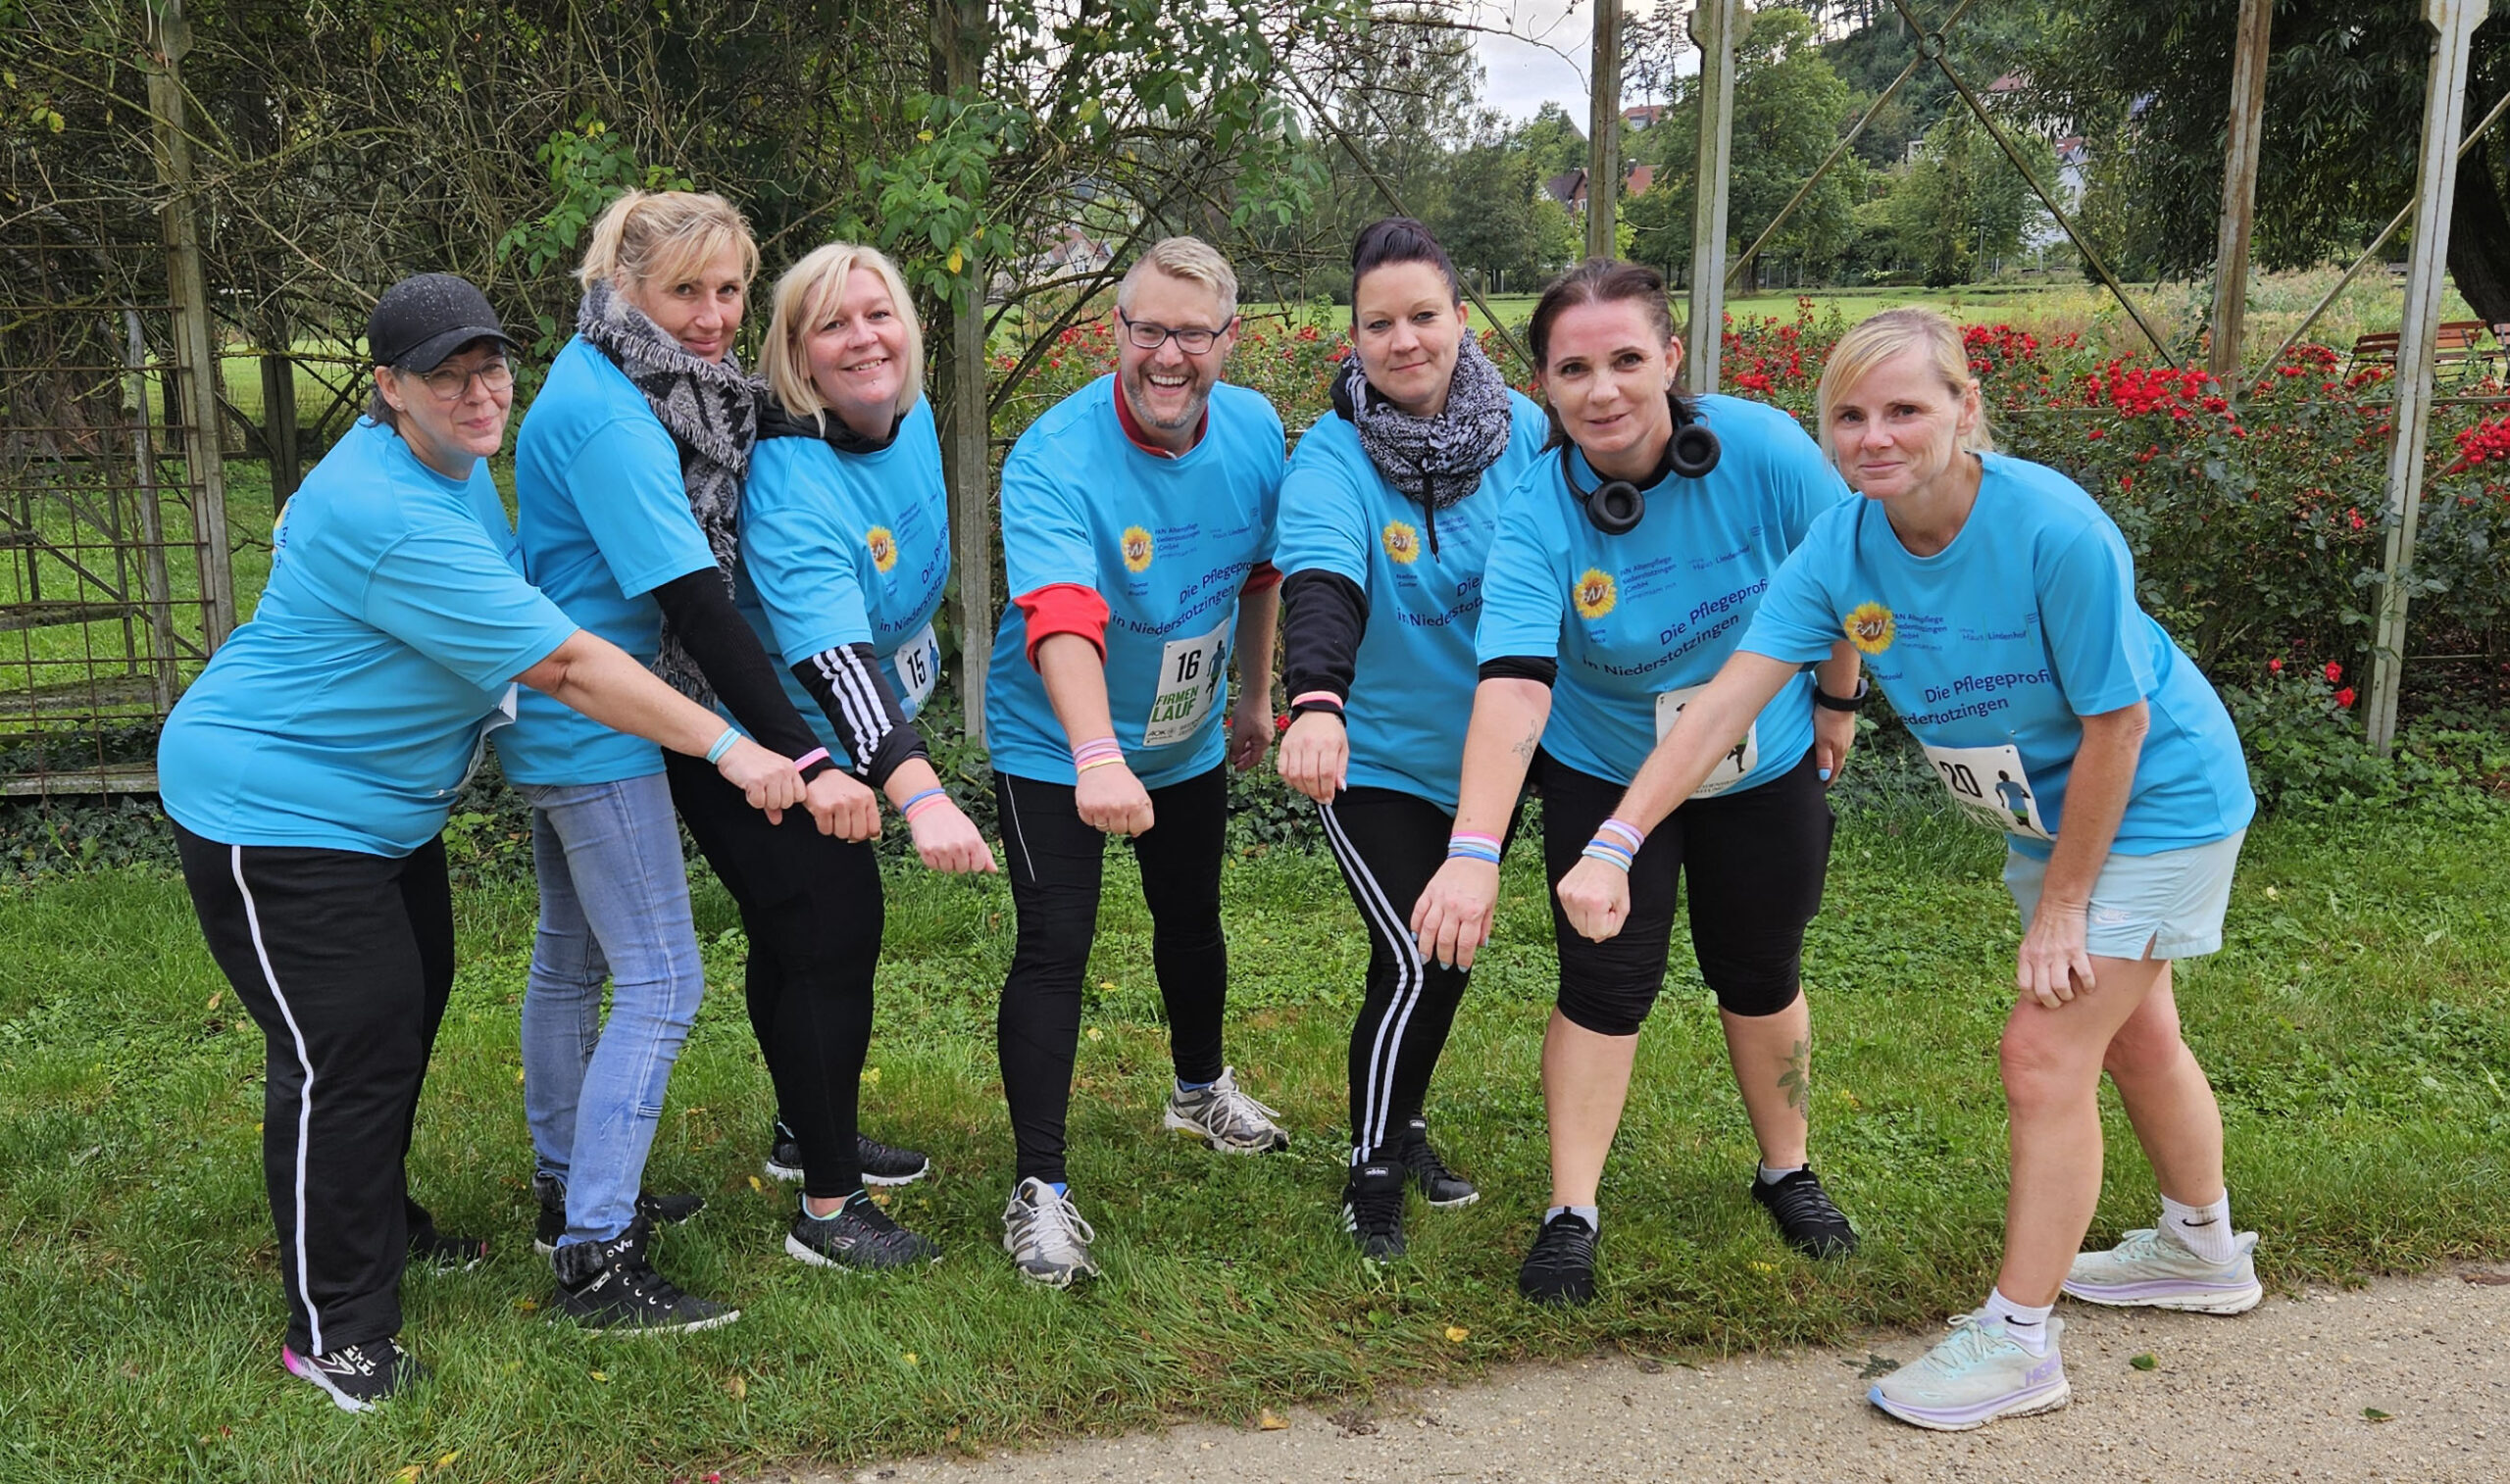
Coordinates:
(1712, 28)
(963, 403)
(1603, 134)
(2240, 186)
(195, 351)
(2445, 103)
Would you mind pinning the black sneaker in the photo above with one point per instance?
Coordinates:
(880, 1164)
(357, 1377)
(1372, 1209)
(860, 1236)
(432, 1251)
(1439, 1186)
(609, 1288)
(652, 1211)
(1804, 1215)
(1561, 1269)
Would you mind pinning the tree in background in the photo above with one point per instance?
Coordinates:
(1962, 209)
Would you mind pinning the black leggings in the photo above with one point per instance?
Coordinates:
(1055, 860)
(1754, 862)
(811, 905)
(1389, 843)
(344, 960)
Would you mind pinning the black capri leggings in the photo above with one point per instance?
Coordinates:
(811, 905)
(1754, 862)
(1055, 860)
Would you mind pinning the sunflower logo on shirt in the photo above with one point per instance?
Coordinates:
(1871, 627)
(1402, 542)
(883, 545)
(1136, 549)
(1595, 594)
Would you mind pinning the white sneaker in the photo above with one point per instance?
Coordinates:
(1226, 1119)
(2153, 1270)
(1977, 1374)
(1045, 1236)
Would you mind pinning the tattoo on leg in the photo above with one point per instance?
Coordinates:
(1797, 1080)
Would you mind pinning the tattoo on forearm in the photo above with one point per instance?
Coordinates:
(1797, 1080)
(1525, 747)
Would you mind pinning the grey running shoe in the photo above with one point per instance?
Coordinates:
(1977, 1374)
(357, 1377)
(859, 1235)
(1045, 1236)
(2151, 1269)
(1226, 1119)
(880, 1164)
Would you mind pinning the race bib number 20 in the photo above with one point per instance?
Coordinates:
(1192, 673)
(1989, 785)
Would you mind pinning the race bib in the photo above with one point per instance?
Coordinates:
(502, 716)
(1989, 785)
(1731, 769)
(1190, 680)
(919, 664)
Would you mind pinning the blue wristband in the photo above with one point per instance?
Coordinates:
(723, 744)
(920, 798)
(1608, 853)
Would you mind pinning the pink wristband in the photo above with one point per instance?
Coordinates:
(1627, 832)
(1320, 697)
(815, 755)
(1098, 747)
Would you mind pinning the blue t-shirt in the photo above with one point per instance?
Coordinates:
(1166, 542)
(1639, 622)
(1993, 647)
(350, 709)
(845, 548)
(604, 521)
(1412, 686)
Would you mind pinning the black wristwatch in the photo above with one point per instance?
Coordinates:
(1827, 701)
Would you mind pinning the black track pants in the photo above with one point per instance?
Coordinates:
(811, 906)
(1055, 860)
(345, 961)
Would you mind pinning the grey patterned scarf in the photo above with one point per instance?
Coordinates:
(1436, 460)
(710, 410)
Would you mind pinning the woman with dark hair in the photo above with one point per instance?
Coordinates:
(309, 772)
(1387, 517)
(1622, 574)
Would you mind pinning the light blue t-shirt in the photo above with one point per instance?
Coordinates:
(1640, 621)
(604, 521)
(1412, 685)
(1166, 542)
(1994, 647)
(348, 711)
(840, 548)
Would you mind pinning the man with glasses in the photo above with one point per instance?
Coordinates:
(1137, 522)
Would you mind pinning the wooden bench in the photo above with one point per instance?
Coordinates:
(2457, 350)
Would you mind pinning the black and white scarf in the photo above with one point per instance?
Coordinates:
(711, 412)
(1436, 460)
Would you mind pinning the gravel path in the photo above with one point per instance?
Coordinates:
(2285, 1392)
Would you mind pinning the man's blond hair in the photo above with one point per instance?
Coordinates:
(1188, 258)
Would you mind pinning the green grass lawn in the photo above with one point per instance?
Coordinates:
(2358, 1029)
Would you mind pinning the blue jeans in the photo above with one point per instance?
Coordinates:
(613, 904)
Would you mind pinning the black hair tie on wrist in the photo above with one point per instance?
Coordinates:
(1615, 506)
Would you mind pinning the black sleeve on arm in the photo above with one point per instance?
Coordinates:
(1323, 614)
(701, 615)
(1533, 667)
(847, 684)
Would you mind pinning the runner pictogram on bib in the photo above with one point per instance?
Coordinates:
(1989, 785)
(1733, 766)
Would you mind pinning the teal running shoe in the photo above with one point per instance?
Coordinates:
(2153, 1270)
(1977, 1374)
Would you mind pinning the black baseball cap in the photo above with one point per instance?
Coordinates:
(428, 317)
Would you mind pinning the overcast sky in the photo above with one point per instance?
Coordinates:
(1549, 64)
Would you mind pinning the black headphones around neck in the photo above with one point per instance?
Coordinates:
(1615, 506)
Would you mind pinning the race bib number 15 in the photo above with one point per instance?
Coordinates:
(919, 664)
(1191, 677)
(1989, 785)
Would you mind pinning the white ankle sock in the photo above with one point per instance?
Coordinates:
(1771, 1174)
(1594, 1216)
(2205, 1230)
(2028, 1326)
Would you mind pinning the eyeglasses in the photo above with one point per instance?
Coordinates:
(451, 383)
(1193, 341)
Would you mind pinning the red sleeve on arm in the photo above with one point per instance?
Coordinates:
(1263, 578)
(1064, 608)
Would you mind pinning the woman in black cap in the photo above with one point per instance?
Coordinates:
(309, 772)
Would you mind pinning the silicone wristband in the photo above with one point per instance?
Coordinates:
(1609, 853)
(1473, 850)
(815, 755)
(1316, 698)
(1098, 747)
(906, 810)
(724, 744)
(1628, 833)
(1110, 761)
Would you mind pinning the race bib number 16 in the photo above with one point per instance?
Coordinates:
(1191, 677)
(1989, 785)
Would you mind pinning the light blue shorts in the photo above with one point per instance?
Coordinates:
(2168, 906)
